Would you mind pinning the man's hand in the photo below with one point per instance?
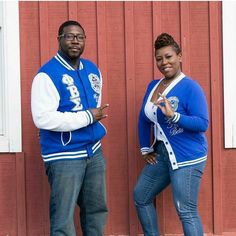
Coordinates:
(98, 113)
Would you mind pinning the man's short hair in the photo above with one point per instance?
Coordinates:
(67, 23)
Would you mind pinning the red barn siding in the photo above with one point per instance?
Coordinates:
(12, 197)
(120, 38)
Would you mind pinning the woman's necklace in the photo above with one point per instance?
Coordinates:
(165, 84)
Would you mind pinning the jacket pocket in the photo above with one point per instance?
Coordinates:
(66, 138)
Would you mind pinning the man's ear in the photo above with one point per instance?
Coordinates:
(180, 56)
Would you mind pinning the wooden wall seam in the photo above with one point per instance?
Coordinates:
(44, 56)
(157, 29)
(43, 31)
(21, 194)
(130, 110)
(185, 36)
(102, 64)
(214, 16)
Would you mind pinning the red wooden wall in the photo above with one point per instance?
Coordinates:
(120, 38)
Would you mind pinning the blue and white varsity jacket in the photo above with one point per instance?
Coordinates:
(183, 135)
(61, 97)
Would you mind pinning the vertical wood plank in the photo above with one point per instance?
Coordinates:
(157, 29)
(102, 64)
(43, 30)
(102, 45)
(44, 56)
(216, 76)
(72, 10)
(130, 108)
(20, 198)
(185, 36)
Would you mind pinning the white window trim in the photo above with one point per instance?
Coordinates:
(10, 72)
(229, 65)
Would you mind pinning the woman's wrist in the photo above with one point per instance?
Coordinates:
(171, 116)
(175, 117)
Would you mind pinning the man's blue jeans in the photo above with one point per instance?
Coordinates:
(185, 184)
(79, 182)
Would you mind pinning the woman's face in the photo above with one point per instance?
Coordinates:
(168, 61)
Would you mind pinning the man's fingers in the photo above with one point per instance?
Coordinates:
(104, 116)
(104, 106)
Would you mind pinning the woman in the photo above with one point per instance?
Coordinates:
(177, 109)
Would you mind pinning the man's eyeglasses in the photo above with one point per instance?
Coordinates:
(71, 37)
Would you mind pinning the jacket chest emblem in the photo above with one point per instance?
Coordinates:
(174, 101)
(95, 82)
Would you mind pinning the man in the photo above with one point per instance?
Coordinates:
(66, 107)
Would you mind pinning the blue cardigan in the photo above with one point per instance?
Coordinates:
(183, 135)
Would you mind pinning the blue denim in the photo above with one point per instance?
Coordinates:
(185, 184)
(77, 182)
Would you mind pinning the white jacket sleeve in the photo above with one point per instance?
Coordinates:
(44, 105)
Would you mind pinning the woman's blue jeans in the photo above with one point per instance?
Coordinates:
(185, 184)
(77, 182)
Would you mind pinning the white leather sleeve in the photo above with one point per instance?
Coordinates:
(44, 104)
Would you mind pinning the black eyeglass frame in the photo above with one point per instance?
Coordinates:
(79, 37)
